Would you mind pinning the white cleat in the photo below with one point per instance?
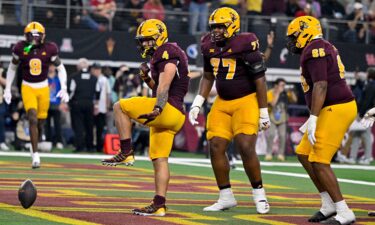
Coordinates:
(36, 161)
(221, 205)
(260, 200)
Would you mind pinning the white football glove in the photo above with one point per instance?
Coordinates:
(369, 118)
(195, 108)
(311, 128)
(7, 96)
(63, 95)
(264, 119)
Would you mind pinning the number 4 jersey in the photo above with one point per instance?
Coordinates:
(320, 61)
(235, 65)
(35, 61)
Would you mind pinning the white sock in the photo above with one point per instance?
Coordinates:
(35, 154)
(226, 194)
(327, 204)
(259, 194)
(344, 214)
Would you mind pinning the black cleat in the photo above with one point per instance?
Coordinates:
(319, 216)
(336, 222)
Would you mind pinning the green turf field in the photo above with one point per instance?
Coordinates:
(81, 191)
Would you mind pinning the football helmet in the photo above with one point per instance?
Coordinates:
(34, 33)
(226, 17)
(301, 31)
(152, 29)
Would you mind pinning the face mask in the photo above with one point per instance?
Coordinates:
(291, 45)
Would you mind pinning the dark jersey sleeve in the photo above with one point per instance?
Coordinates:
(18, 49)
(255, 63)
(53, 50)
(317, 69)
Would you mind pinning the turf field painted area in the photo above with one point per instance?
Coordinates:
(83, 192)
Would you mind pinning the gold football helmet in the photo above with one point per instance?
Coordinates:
(301, 31)
(152, 29)
(34, 33)
(227, 17)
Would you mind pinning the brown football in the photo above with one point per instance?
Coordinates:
(27, 194)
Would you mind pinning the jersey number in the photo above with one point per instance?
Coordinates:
(341, 67)
(35, 67)
(318, 52)
(230, 63)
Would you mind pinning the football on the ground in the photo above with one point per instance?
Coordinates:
(27, 194)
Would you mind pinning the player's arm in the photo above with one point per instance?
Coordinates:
(317, 68)
(61, 73)
(11, 74)
(165, 80)
(205, 87)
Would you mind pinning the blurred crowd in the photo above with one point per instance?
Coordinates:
(352, 19)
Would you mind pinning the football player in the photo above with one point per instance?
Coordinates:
(240, 110)
(332, 111)
(163, 112)
(34, 55)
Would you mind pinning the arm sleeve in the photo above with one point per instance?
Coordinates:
(62, 76)
(207, 65)
(255, 63)
(317, 68)
(11, 73)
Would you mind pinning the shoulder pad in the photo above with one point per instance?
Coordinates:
(52, 48)
(166, 51)
(316, 49)
(245, 42)
(206, 44)
(18, 48)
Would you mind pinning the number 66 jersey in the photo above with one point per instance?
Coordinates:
(35, 63)
(235, 65)
(320, 61)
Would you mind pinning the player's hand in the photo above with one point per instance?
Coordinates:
(193, 115)
(7, 96)
(264, 119)
(63, 95)
(151, 116)
(144, 70)
(311, 128)
(369, 118)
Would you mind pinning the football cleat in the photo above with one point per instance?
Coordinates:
(319, 216)
(260, 200)
(221, 205)
(120, 159)
(36, 161)
(151, 210)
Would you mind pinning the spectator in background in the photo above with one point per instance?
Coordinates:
(367, 101)
(134, 18)
(333, 9)
(82, 94)
(153, 9)
(81, 16)
(307, 10)
(54, 113)
(102, 105)
(357, 25)
(292, 7)
(103, 10)
(52, 17)
(127, 84)
(3, 146)
(253, 7)
(273, 7)
(278, 99)
(18, 11)
(315, 7)
(198, 11)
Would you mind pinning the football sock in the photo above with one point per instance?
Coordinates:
(225, 187)
(125, 145)
(341, 206)
(257, 184)
(327, 204)
(159, 200)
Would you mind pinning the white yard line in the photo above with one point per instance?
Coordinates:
(203, 163)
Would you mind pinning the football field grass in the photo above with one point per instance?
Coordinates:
(80, 191)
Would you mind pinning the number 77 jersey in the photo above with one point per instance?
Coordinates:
(320, 61)
(235, 65)
(35, 62)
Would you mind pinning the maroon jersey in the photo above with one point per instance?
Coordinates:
(230, 64)
(320, 61)
(35, 63)
(171, 53)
